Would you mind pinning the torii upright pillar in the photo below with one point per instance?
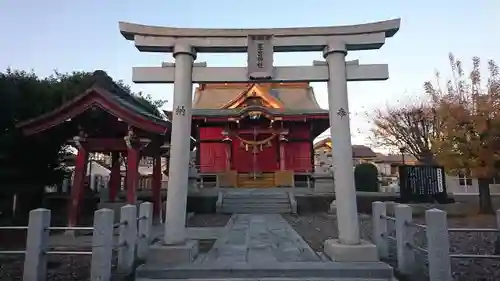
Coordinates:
(175, 223)
(340, 132)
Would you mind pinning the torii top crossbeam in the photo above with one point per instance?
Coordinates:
(356, 37)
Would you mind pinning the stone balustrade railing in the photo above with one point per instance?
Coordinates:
(436, 230)
(134, 238)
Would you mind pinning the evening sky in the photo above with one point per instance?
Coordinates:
(83, 35)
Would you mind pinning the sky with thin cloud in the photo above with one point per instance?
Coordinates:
(62, 35)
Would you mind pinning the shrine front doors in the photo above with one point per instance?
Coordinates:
(255, 159)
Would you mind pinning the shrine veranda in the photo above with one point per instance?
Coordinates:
(260, 44)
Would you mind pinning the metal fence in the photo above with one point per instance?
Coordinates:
(436, 231)
(134, 238)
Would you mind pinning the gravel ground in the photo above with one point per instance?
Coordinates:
(76, 268)
(316, 228)
(59, 268)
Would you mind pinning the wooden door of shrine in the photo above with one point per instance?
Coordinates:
(256, 160)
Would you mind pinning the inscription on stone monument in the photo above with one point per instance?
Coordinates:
(422, 183)
(260, 57)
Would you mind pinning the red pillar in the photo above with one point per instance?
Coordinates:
(282, 142)
(228, 155)
(132, 174)
(282, 156)
(77, 188)
(115, 177)
(156, 187)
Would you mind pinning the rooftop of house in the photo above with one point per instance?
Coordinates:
(358, 151)
(394, 158)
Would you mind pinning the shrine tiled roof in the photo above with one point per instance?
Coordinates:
(237, 111)
(293, 96)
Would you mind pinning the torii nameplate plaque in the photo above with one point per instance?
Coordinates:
(260, 57)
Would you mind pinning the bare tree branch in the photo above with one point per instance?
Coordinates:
(411, 126)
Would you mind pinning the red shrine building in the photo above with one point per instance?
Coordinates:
(256, 135)
(105, 118)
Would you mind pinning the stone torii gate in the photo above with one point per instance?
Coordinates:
(260, 44)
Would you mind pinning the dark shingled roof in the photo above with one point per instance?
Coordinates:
(101, 84)
(361, 151)
(394, 158)
(102, 80)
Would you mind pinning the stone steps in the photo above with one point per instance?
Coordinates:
(255, 202)
(259, 195)
(258, 205)
(270, 279)
(256, 210)
(320, 271)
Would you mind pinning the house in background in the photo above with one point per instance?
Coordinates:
(99, 171)
(387, 165)
(462, 184)
(360, 153)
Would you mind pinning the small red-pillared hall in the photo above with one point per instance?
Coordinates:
(105, 118)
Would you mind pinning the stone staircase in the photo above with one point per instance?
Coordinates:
(272, 271)
(256, 201)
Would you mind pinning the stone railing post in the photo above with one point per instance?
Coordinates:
(35, 261)
(380, 229)
(145, 226)
(497, 241)
(404, 235)
(127, 238)
(102, 245)
(438, 245)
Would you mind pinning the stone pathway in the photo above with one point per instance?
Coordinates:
(195, 233)
(262, 238)
(262, 247)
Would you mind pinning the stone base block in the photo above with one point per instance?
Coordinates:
(115, 206)
(324, 186)
(172, 254)
(363, 252)
(333, 207)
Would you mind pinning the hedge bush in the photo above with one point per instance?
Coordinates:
(366, 177)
